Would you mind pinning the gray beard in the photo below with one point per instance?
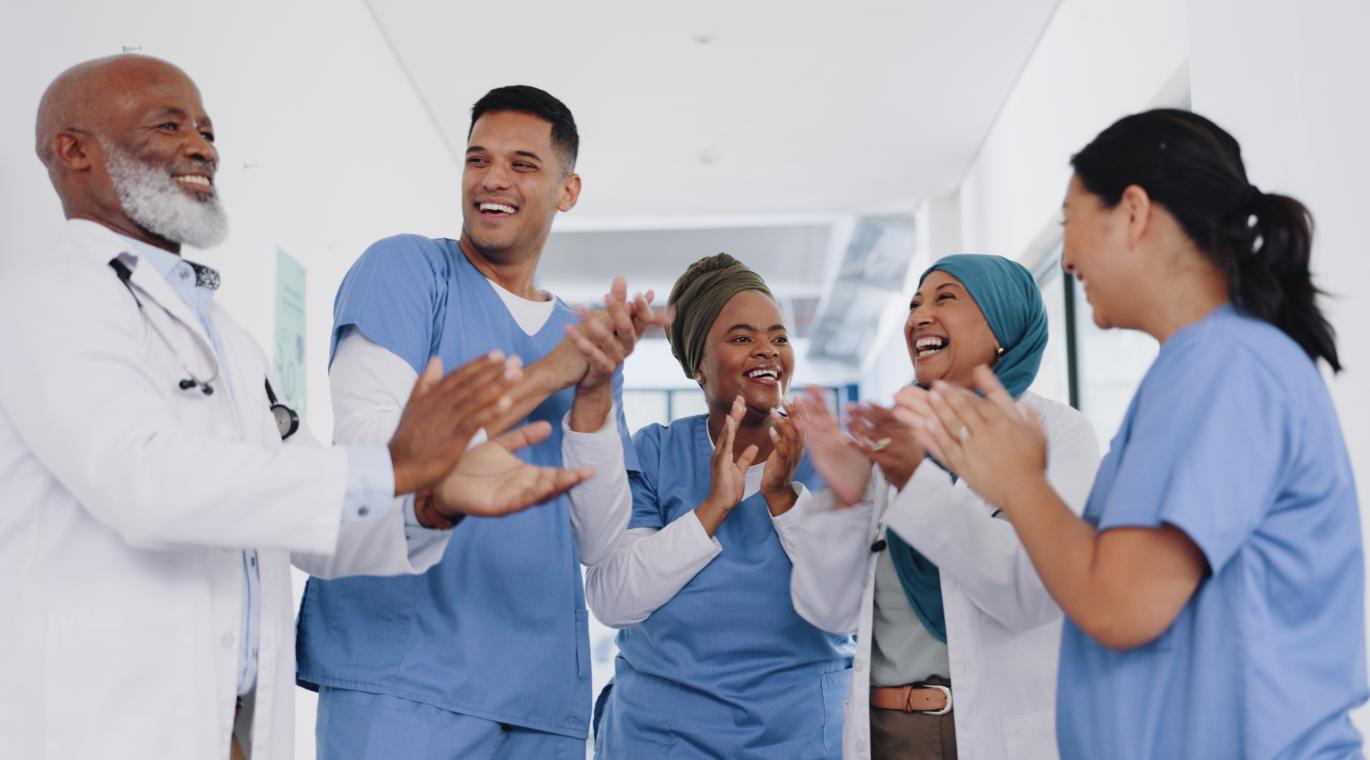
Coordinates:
(155, 201)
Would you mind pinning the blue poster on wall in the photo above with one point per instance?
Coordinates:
(290, 335)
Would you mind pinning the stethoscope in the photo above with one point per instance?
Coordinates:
(287, 421)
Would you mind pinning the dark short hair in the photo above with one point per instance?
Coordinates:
(527, 99)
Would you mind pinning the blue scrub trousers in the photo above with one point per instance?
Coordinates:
(358, 725)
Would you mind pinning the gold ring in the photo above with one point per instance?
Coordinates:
(963, 433)
(881, 445)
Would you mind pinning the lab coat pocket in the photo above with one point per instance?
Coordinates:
(1031, 736)
(582, 643)
(835, 686)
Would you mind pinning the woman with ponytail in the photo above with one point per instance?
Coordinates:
(1214, 589)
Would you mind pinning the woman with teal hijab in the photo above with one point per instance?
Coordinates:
(957, 639)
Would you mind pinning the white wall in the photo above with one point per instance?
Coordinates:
(325, 147)
(1097, 61)
(1288, 81)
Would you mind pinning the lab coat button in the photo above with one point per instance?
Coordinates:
(364, 511)
(878, 546)
(227, 640)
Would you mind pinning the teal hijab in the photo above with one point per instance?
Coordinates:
(1009, 299)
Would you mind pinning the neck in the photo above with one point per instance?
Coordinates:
(514, 275)
(753, 431)
(1186, 298)
(127, 227)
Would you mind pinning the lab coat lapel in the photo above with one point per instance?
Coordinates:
(156, 293)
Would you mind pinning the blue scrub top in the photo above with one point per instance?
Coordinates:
(1232, 438)
(726, 668)
(498, 629)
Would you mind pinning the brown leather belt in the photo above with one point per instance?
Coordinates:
(930, 699)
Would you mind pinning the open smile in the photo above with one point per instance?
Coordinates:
(929, 346)
(198, 184)
(766, 374)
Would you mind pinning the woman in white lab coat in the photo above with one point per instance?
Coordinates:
(957, 638)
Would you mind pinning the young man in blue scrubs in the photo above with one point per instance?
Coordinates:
(487, 654)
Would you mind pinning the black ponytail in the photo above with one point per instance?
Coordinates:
(1262, 242)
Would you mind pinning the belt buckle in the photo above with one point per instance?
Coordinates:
(945, 708)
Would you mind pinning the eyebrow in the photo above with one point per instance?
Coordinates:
(919, 294)
(179, 113)
(749, 328)
(524, 153)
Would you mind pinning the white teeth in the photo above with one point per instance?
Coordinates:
(772, 374)
(497, 207)
(930, 341)
(194, 179)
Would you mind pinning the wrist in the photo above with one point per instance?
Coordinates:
(591, 407)
(1031, 490)
(405, 481)
(781, 499)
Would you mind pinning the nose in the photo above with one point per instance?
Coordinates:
(197, 148)
(496, 178)
(765, 349)
(920, 315)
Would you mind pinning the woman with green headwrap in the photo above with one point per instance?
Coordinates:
(713, 659)
(957, 638)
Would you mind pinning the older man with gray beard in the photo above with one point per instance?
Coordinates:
(151, 505)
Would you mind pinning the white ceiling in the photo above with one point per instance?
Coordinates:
(735, 108)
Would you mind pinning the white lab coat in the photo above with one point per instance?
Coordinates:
(1003, 629)
(125, 503)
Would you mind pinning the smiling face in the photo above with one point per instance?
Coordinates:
(946, 334)
(747, 352)
(514, 183)
(132, 148)
(1095, 250)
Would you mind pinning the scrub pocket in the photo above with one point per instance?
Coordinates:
(835, 687)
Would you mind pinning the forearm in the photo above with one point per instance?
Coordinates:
(541, 379)
(602, 505)
(1064, 550)
(647, 569)
(830, 552)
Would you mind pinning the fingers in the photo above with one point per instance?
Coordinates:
(537, 485)
(483, 395)
(430, 377)
(724, 449)
(974, 411)
(986, 382)
(524, 436)
(590, 347)
(619, 290)
(747, 458)
(623, 329)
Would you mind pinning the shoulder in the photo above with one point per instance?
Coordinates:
(1244, 354)
(406, 254)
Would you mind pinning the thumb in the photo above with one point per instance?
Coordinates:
(988, 384)
(619, 290)
(523, 436)
(430, 377)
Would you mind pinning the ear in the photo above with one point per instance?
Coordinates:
(75, 151)
(1137, 205)
(570, 192)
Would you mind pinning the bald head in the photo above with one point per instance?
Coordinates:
(128, 144)
(88, 96)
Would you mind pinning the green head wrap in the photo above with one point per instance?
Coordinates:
(698, 296)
